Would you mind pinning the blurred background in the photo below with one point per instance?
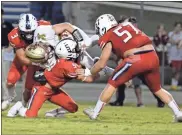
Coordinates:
(162, 21)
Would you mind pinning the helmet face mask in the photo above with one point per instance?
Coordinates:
(27, 36)
(27, 25)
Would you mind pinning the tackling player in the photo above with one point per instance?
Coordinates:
(140, 59)
(62, 72)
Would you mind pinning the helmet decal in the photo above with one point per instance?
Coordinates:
(28, 22)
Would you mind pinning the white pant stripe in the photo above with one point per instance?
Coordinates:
(121, 70)
(32, 97)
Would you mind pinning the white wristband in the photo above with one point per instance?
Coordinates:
(84, 78)
(87, 72)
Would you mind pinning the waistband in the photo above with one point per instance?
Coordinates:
(143, 52)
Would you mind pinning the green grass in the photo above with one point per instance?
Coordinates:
(113, 120)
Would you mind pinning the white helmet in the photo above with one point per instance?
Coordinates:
(46, 34)
(66, 49)
(104, 23)
(27, 25)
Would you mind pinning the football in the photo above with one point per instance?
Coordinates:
(36, 53)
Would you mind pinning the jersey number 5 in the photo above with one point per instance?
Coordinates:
(118, 31)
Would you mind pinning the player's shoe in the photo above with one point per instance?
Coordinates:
(14, 109)
(59, 112)
(178, 118)
(90, 113)
(116, 103)
(5, 105)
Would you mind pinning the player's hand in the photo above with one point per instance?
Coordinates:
(80, 72)
(83, 72)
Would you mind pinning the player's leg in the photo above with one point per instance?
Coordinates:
(153, 81)
(138, 92)
(15, 72)
(128, 69)
(159, 101)
(62, 99)
(123, 73)
(29, 83)
(39, 95)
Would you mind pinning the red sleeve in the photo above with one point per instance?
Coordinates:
(14, 39)
(70, 69)
(103, 41)
(43, 22)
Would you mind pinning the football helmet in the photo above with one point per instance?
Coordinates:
(66, 49)
(27, 25)
(104, 23)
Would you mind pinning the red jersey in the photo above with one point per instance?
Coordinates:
(124, 37)
(61, 73)
(15, 39)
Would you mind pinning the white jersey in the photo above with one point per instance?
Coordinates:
(45, 33)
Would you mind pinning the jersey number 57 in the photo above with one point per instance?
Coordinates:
(119, 32)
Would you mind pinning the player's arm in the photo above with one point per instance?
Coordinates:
(102, 62)
(70, 71)
(60, 28)
(87, 79)
(20, 53)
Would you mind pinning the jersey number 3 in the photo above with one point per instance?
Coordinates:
(118, 31)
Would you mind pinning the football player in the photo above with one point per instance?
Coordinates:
(19, 38)
(139, 59)
(62, 72)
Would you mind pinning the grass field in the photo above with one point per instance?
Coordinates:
(113, 120)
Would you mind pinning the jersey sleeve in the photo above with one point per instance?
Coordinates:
(43, 22)
(14, 39)
(70, 69)
(103, 41)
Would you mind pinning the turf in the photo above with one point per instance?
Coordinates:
(113, 120)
